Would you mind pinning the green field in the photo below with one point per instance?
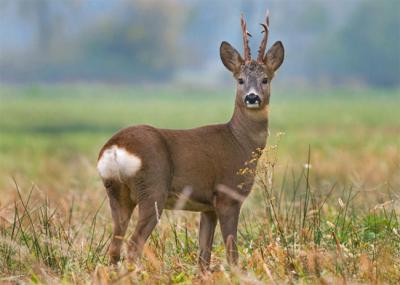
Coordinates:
(336, 224)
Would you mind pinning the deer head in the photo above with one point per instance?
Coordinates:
(253, 76)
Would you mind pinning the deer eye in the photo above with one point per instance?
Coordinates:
(241, 81)
(265, 81)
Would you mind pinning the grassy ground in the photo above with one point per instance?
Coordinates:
(336, 221)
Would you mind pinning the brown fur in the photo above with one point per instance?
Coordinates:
(204, 160)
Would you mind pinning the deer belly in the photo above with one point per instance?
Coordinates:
(193, 194)
(183, 201)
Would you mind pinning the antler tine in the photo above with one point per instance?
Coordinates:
(246, 34)
(263, 45)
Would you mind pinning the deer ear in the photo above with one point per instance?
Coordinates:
(230, 57)
(274, 57)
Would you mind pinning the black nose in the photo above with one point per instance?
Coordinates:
(252, 99)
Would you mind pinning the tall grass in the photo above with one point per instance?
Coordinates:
(298, 232)
(56, 242)
(320, 240)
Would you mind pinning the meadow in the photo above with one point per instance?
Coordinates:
(325, 208)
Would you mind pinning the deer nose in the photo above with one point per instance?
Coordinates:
(252, 99)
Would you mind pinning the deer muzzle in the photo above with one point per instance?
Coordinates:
(252, 101)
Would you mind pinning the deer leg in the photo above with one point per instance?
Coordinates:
(208, 221)
(150, 209)
(228, 217)
(121, 210)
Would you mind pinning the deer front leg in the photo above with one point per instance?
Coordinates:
(228, 216)
(208, 222)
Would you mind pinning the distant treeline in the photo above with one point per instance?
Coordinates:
(135, 41)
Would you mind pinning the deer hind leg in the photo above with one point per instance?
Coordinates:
(121, 206)
(151, 200)
(208, 222)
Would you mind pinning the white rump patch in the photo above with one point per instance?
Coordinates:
(116, 162)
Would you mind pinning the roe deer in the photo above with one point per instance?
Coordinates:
(151, 167)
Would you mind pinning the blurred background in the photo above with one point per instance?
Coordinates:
(73, 72)
(346, 42)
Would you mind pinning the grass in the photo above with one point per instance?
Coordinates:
(325, 208)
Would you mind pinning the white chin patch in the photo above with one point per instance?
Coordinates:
(117, 163)
(253, 106)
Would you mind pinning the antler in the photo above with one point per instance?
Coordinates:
(246, 34)
(263, 45)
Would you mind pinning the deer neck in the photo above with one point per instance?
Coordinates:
(249, 127)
